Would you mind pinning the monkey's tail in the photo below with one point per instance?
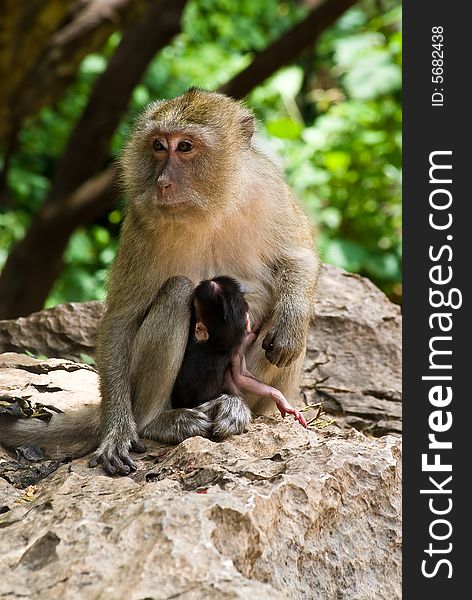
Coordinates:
(73, 434)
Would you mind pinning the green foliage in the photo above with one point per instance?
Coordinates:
(344, 163)
(13, 225)
(332, 119)
(238, 27)
(87, 260)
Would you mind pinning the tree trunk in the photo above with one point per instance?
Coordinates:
(35, 262)
(44, 41)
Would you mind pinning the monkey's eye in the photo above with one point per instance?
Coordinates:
(184, 147)
(158, 147)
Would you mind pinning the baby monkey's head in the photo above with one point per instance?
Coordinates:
(221, 312)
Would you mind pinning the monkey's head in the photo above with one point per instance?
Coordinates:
(221, 312)
(185, 152)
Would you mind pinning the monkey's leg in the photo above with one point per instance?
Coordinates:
(230, 415)
(288, 379)
(155, 362)
(137, 374)
(219, 418)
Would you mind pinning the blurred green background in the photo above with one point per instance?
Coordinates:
(331, 118)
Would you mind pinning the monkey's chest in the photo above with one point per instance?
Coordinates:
(238, 258)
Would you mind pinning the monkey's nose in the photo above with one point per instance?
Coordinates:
(164, 186)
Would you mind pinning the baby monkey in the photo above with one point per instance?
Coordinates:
(214, 363)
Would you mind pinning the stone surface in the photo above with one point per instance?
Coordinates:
(353, 358)
(277, 512)
(62, 383)
(65, 331)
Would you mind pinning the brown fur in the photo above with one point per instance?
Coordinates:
(240, 220)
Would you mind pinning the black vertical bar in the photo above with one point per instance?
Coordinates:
(437, 123)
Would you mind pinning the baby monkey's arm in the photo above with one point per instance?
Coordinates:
(246, 382)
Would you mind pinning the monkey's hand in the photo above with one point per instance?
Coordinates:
(285, 408)
(114, 456)
(282, 346)
(296, 414)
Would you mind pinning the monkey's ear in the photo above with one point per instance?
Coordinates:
(247, 125)
(201, 332)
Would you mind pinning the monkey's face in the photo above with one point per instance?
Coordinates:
(176, 170)
(185, 153)
(178, 160)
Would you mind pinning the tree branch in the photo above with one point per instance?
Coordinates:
(287, 47)
(50, 54)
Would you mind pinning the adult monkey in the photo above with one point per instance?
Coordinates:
(202, 202)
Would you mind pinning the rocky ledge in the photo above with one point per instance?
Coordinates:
(277, 512)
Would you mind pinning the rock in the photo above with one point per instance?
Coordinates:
(61, 383)
(277, 512)
(65, 331)
(354, 354)
(353, 358)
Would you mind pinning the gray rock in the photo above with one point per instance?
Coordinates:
(354, 359)
(277, 512)
(60, 383)
(65, 331)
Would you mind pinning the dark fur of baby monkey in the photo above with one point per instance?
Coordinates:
(214, 363)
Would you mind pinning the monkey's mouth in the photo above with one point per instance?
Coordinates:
(170, 202)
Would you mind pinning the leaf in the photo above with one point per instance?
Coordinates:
(80, 248)
(337, 161)
(373, 75)
(115, 217)
(287, 82)
(93, 64)
(285, 128)
(331, 217)
(384, 266)
(141, 95)
(349, 50)
(315, 137)
(346, 254)
(88, 360)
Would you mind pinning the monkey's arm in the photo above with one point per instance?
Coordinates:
(245, 381)
(295, 282)
(248, 341)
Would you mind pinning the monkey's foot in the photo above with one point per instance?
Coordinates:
(174, 426)
(115, 458)
(230, 415)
